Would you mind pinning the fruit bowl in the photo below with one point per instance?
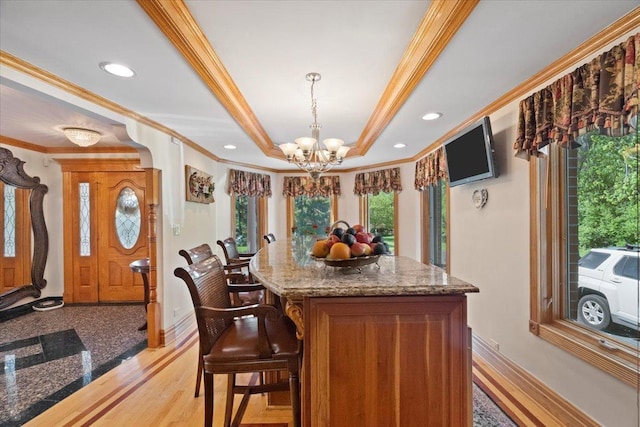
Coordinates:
(350, 262)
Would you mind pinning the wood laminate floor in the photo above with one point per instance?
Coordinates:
(153, 387)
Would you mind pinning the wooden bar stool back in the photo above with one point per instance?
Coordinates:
(255, 338)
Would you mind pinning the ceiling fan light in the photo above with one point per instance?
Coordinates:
(82, 137)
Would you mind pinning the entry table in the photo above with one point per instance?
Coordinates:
(386, 346)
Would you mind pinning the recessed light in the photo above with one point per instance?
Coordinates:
(230, 147)
(117, 69)
(431, 116)
(399, 145)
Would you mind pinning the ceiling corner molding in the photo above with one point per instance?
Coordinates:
(22, 144)
(25, 67)
(441, 21)
(174, 19)
(626, 24)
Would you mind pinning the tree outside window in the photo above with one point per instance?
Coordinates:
(246, 224)
(602, 187)
(382, 217)
(311, 215)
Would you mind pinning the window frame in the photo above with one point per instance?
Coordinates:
(548, 270)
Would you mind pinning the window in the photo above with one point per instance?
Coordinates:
(438, 224)
(311, 215)
(380, 217)
(585, 258)
(312, 204)
(249, 222)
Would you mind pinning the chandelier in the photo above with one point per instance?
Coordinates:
(308, 153)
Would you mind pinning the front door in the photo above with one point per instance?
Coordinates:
(121, 235)
(105, 222)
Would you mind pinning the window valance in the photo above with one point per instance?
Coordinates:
(249, 184)
(430, 169)
(602, 94)
(384, 180)
(305, 186)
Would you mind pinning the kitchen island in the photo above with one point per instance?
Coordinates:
(384, 345)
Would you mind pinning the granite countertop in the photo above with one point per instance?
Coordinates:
(287, 269)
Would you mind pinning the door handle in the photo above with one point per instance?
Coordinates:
(616, 280)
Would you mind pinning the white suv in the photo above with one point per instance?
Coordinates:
(608, 282)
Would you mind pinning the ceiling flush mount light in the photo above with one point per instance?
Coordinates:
(399, 145)
(307, 152)
(82, 137)
(431, 116)
(117, 69)
(230, 147)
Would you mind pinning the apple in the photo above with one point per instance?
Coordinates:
(367, 250)
(358, 249)
(363, 237)
(332, 239)
(359, 228)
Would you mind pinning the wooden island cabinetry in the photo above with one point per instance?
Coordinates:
(388, 346)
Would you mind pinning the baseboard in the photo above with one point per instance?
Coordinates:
(528, 401)
(180, 330)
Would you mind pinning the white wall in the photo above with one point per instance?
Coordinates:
(490, 248)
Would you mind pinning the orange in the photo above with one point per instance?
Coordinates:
(340, 251)
(320, 249)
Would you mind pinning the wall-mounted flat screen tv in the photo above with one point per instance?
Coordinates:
(469, 154)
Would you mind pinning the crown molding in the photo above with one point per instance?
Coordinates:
(65, 150)
(29, 69)
(622, 26)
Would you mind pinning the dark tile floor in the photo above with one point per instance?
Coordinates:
(46, 356)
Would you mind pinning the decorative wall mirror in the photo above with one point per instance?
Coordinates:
(13, 174)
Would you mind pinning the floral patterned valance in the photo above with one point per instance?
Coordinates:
(430, 169)
(600, 94)
(385, 180)
(324, 186)
(249, 184)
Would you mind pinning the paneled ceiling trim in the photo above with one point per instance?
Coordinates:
(441, 21)
(174, 19)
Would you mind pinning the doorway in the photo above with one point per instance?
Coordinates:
(105, 222)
